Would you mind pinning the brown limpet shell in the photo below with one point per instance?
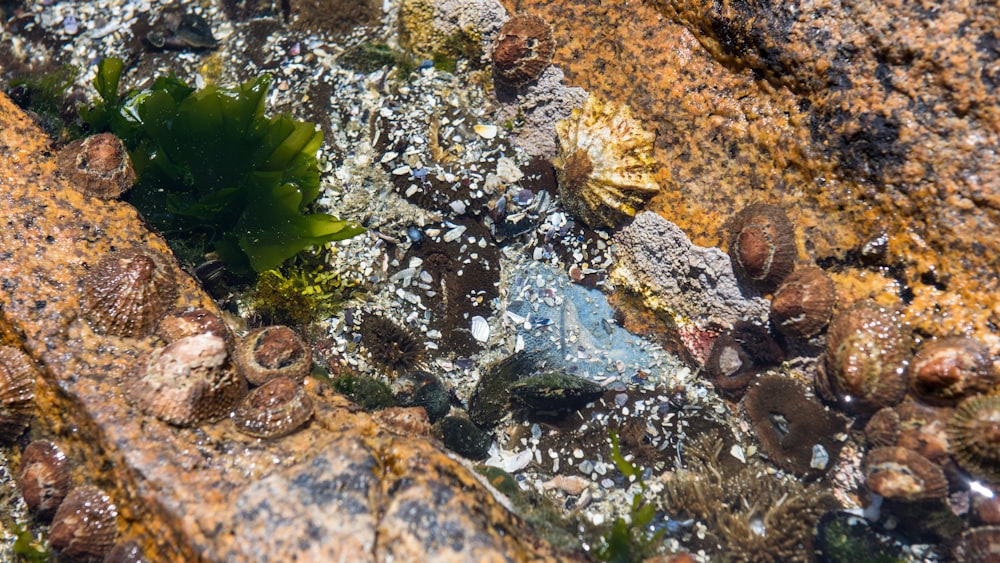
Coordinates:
(980, 545)
(272, 351)
(803, 304)
(17, 392)
(792, 426)
(98, 165)
(883, 428)
(947, 370)
(923, 429)
(865, 358)
(404, 421)
(126, 552)
(128, 292)
(762, 245)
(522, 50)
(194, 320)
(44, 477)
(85, 526)
(974, 432)
(187, 382)
(277, 408)
(901, 474)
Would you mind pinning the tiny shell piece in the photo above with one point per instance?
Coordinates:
(85, 526)
(902, 474)
(762, 245)
(605, 163)
(480, 329)
(275, 409)
(128, 292)
(273, 351)
(98, 165)
(945, 371)
(17, 392)
(803, 304)
(522, 50)
(44, 477)
(187, 382)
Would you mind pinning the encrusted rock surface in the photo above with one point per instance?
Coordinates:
(861, 118)
(343, 488)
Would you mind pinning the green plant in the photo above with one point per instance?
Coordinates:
(27, 548)
(48, 95)
(213, 173)
(298, 292)
(629, 539)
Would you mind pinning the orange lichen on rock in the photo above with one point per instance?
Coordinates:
(759, 105)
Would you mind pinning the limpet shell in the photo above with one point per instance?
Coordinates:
(195, 320)
(44, 477)
(128, 292)
(273, 351)
(980, 545)
(762, 245)
(883, 429)
(17, 392)
(901, 474)
(85, 526)
(974, 432)
(522, 50)
(865, 358)
(945, 371)
(98, 165)
(187, 382)
(277, 408)
(605, 164)
(803, 304)
(923, 429)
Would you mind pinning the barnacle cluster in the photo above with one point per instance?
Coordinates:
(605, 163)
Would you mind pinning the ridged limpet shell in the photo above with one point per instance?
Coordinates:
(128, 292)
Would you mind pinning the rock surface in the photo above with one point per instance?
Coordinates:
(343, 488)
(862, 119)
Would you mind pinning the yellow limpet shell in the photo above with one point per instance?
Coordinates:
(605, 163)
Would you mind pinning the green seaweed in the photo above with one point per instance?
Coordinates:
(369, 393)
(299, 292)
(213, 173)
(630, 539)
(27, 548)
(47, 95)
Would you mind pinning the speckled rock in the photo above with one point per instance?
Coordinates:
(693, 287)
(340, 488)
(862, 119)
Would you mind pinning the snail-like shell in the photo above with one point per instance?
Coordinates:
(272, 351)
(190, 322)
(902, 474)
(605, 163)
(128, 292)
(865, 358)
(945, 371)
(44, 477)
(803, 304)
(762, 246)
(522, 50)
(98, 165)
(85, 526)
(276, 408)
(187, 382)
(17, 392)
(974, 433)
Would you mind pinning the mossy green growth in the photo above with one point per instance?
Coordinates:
(369, 393)
(214, 173)
(632, 539)
(369, 57)
(299, 292)
(47, 96)
(27, 548)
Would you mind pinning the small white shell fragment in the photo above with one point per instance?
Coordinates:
(454, 234)
(480, 329)
(458, 206)
(402, 171)
(820, 457)
(486, 131)
(388, 156)
(737, 452)
(569, 484)
(507, 170)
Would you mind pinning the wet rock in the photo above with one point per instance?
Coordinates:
(463, 437)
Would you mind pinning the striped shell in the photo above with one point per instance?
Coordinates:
(522, 50)
(187, 382)
(128, 292)
(947, 370)
(270, 352)
(85, 526)
(902, 474)
(275, 409)
(605, 164)
(803, 304)
(974, 433)
(17, 392)
(762, 246)
(44, 477)
(98, 165)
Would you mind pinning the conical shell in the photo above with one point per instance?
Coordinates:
(902, 474)
(44, 477)
(128, 292)
(17, 392)
(275, 409)
(270, 352)
(762, 246)
(187, 382)
(605, 163)
(974, 434)
(98, 165)
(85, 526)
